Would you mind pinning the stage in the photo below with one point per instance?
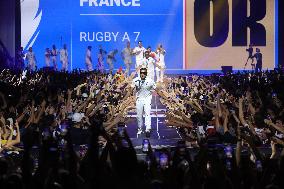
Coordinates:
(161, 135)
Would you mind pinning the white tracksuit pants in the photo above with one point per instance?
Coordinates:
(54, 61)
(146, 104)
(31, 65)
(65, 64)
(151, 71)
(160, 72)
(89, 64)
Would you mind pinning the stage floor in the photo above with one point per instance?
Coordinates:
(161, 135)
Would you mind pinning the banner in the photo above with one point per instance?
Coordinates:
(196, 34)
(109, 23)
(218, 32)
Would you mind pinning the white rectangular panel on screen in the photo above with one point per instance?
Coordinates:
(202, 57)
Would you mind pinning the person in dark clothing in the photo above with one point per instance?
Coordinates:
(258, 57)
(250, 56)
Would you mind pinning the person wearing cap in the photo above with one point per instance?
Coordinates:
(144, 87)
(139, 53)
(77, 117)
(258, 57)
(88, 59)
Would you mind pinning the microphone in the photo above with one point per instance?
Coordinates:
(139, 85)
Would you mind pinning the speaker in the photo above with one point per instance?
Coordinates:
(227, 69)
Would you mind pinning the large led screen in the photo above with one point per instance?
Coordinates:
(196, 34)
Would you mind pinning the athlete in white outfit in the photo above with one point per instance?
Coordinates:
(139, 52)
(30, 57)
(160, 68)
(149, 63)
(126, 55)
(101, 56)
(144, 88)
(64, 58)
(111, 59)
(47, 55)
(54, 53)
(88, 59)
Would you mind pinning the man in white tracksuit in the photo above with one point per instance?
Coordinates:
(144, 87)
(160, 68)
(126, 55)
(139, 53)
(148, 63)
(47, 57)
(88, 59)
(54, 53)
(30, 57)
(64, 58)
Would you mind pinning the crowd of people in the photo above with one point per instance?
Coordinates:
(226, 118)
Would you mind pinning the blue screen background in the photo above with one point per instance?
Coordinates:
(62, 22)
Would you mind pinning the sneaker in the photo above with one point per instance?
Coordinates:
(148, 133)
(139, 131)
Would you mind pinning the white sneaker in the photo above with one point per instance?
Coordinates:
(139, 132)
(148, 130)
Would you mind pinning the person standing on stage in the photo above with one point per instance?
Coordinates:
(20, 59)
(54, 53)
(88, 59)
(47, 55)
(126, 55)
(160, 64)
(148, 63)
(139, 53)
(250, 56)
(258, 57)
(101, 58)
(144, 87)
(30, 57)
(151, 53)
(64, 58)
(111, 59)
